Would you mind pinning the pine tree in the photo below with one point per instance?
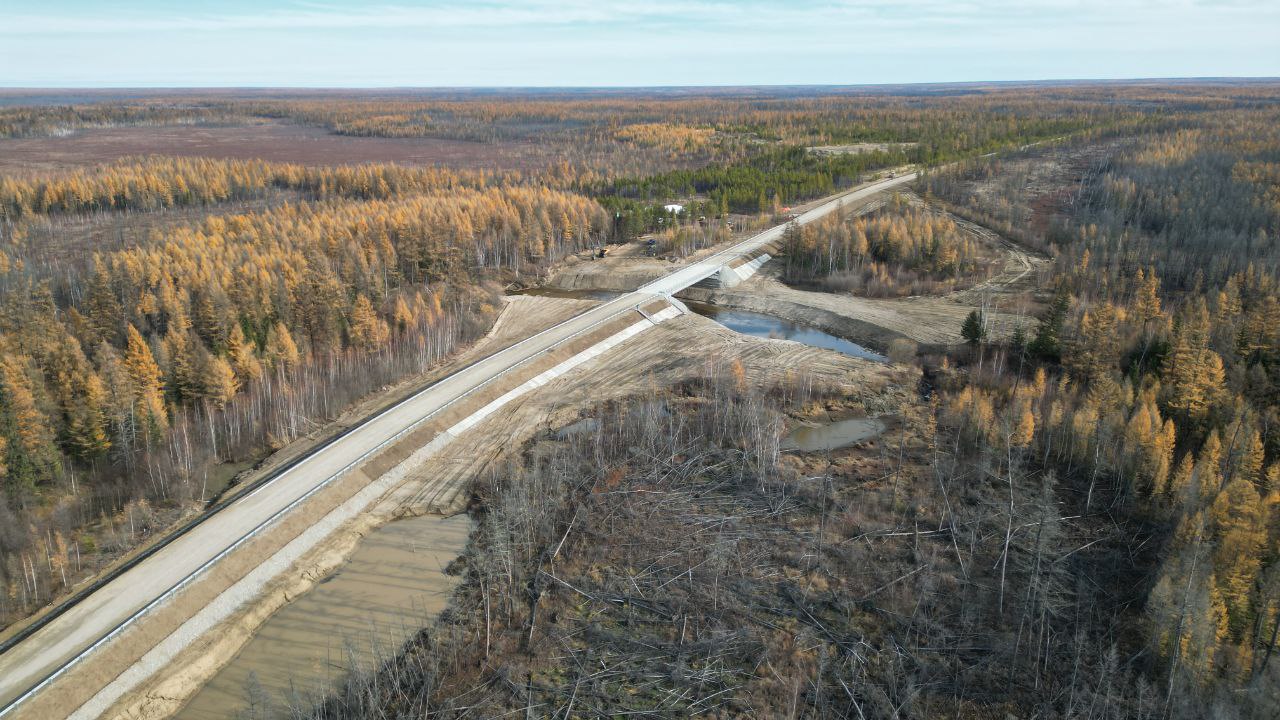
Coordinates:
(1208, 474)
(82, 397)
(1025, 429)
(1179, 488)
(1161, 457)
(974, 330)
(1252, 459)
(1094, 353)
(209, 320)
(102, 306)
(1146, 303)
(402, 316)
(1193, 373)
(183, 356)
(1048, 340)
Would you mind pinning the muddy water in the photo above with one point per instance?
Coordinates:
(391, 585)
(769, 326)
(829, 436)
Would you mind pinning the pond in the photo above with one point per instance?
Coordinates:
(770, 326)
(832, 435)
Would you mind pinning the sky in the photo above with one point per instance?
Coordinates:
(560, 43)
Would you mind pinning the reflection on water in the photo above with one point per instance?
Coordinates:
(769, 326)
(392, 585)
(838, 434)
(570, 294)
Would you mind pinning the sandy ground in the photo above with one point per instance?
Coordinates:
(125, 652)
(392, 584)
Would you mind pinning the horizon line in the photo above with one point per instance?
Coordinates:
(926, 83)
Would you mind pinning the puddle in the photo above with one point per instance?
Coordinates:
(585, 426)
(770, 326)
(570, 294)
(392, 585)
(829, 436)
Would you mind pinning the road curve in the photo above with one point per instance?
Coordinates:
(73, 633)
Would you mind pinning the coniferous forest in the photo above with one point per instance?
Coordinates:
(1076, 518)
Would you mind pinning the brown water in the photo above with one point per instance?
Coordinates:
(829, 436)
(392, 585)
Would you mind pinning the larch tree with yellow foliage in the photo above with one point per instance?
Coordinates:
(147, 386)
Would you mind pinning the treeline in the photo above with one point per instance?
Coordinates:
(47, 120)
(362, 118)
(901, 249)
(944, 124)
(147, 184)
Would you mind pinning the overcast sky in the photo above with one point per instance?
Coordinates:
(344, 43)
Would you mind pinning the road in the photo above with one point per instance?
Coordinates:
(31, 665)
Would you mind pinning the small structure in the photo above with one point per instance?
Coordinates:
(673, 208)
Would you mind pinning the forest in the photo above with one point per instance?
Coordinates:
(1149, 383)
(1081, 519)
(899, 250)
(129, 372)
